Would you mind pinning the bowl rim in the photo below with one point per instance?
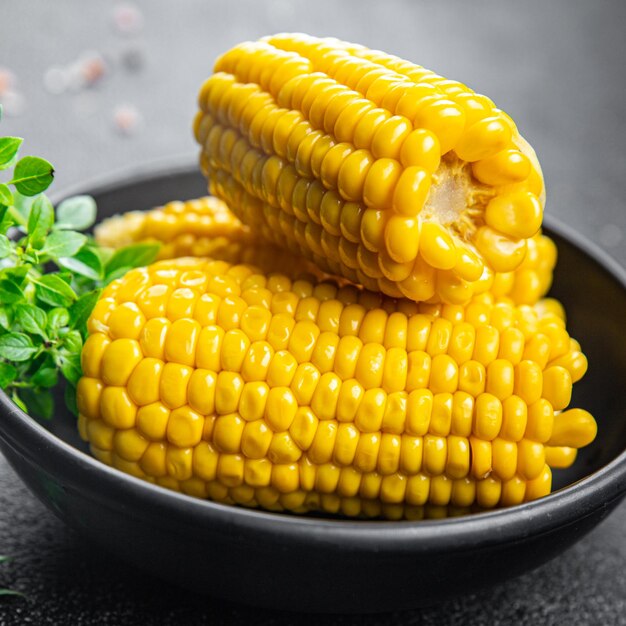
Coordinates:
(563, 507)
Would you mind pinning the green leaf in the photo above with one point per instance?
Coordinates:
(135, 255)
(70, 399)
(63, 244)
(85, 263)
(73, 342)
(7, 375)
(70, 367)
(5, 247)
(32, 175)
(31, 318)
(16, 274)
(76, 213)
(40, 221)
(10, 293)
(58, 318)
(39, 404)
(6, 317)
(45, 377)
(16, 347)
(22, 204)
(82, 308)
(9, 147)
(6, 195)
(6, 220)
(65, 276)
(53, 290)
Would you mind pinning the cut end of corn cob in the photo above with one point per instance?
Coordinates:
(376, 169)
(228, 383)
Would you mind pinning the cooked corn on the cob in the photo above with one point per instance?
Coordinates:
(225, 382)
(374, 168)
(206, 227)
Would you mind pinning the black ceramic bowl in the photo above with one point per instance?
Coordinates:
(331, 565)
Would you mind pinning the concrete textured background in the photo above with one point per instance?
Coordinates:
(557, 68)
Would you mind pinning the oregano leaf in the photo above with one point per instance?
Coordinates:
(16, 347)
(9, 147)
(63, 243)
(76, 213)
(32, 175)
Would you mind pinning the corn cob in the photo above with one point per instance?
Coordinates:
(376, 169)
(227, 383)
(205, 227)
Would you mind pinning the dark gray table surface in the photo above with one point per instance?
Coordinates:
(557, 67)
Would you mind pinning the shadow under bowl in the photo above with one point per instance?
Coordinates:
(336, 565)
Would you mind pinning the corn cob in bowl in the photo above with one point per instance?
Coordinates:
(228, 382)
(376, 169)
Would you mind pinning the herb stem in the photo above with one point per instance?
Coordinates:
(17, 216)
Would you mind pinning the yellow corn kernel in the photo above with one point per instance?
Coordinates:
(557, 386)
(517, 214)
(531, 459)
(488, 492)
(153, 335)
(462, 413)
(528, 381)
(574, 428)
(100, 435)
(514, 418)
(539, 486)
(88, 393)
(184, 427)
(458, 459)
(116, 408)
(228, 389)
(129, 444)
(560, 457)
(488, 417)
(144, 382)
(280, 408)
(503, 253)
(441, 414)
(483, 139)
(173, 384)
(119, 360)
(92, 353)
(500, 379)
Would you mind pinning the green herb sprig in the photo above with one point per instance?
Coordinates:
(51, 276)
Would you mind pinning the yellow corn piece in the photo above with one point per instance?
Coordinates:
(206, 227)
(202, 227)
(229, 383)
(376, 169)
